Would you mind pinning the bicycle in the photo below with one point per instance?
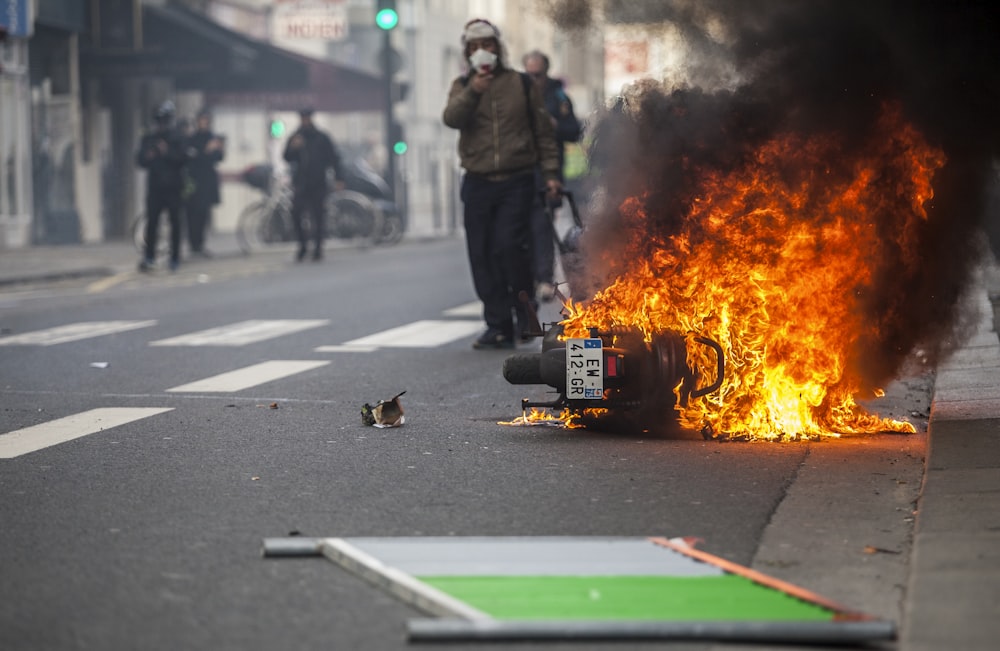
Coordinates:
(138, 229)
(350, 215)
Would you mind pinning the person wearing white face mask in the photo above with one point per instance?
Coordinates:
(504, 133)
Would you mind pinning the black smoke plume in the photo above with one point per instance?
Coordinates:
(815, 67)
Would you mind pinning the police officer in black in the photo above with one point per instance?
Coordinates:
(161, 153)
(311, 153)
(205, 150)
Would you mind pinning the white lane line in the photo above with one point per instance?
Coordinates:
(242, 333)
(473, 309)
(419, 334)
(30, 439)
(73, 332)
(249, 376)
(344, 348)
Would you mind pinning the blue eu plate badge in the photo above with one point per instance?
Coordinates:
(584, 369)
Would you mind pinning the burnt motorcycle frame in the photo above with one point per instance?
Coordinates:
(640, 394)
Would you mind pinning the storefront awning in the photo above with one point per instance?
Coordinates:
(198, 54)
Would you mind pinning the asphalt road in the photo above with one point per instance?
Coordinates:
(148, 535)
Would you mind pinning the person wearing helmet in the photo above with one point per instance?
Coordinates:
(504, 134)
(161, 153)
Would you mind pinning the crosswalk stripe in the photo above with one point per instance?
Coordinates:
(73, 332)
(249, 376)
(30, 439)
(242, 333)
(473, 309)
(419, 334)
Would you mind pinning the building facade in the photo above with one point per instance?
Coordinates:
(79, 80)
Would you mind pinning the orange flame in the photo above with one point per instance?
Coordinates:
(773, 261)
(544, 417)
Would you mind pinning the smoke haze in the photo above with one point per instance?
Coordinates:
(756, 69)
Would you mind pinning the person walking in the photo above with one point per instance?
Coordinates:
(504, 135)
(312, 153)
(567, 129)
(205, 150)
(161, 154)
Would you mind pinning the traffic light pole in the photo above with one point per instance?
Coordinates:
(389, 120)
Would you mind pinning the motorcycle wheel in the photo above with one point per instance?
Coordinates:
(349, 219)
(392, 230)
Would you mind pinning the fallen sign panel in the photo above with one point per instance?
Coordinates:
(524, 588)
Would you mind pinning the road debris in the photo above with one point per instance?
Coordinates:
(385, 413)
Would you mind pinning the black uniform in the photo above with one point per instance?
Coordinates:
(310, 161)
(161, 153)
(205, 178)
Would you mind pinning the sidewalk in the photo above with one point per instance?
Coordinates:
(953, 596)
(59, 262)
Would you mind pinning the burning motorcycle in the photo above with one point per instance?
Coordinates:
(616, 379)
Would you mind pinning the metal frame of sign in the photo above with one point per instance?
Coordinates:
(575, 588)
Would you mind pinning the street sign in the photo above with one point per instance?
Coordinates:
(395, 60)
(324, 20)
(15, 16)
(573, 588)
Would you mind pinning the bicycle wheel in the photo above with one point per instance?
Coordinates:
(248, 226)
(139, 235)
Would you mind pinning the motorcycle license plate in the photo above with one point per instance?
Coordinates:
(584, 369)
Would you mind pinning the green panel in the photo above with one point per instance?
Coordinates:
(727, 597)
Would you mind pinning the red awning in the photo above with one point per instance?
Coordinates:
(328, 87)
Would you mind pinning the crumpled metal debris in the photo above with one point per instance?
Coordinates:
(385, 413)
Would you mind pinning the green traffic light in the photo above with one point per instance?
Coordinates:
(277, 128)
(386, 19)
(399, 148)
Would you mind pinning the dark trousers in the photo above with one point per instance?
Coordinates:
(156, 202)
(498, 237)
(198, 214)
(311, 201)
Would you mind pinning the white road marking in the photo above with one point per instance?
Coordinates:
(249, 376)
(242, 333)
(344, 348)
(36, 437)
(473, 309)
(73, 332)
(419, 334)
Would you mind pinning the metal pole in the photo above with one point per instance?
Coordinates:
(389, 130)
(775, 632)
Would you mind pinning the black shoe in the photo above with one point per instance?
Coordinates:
(147, 265)
(317, 256)
(300, 256)
(493, 339)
